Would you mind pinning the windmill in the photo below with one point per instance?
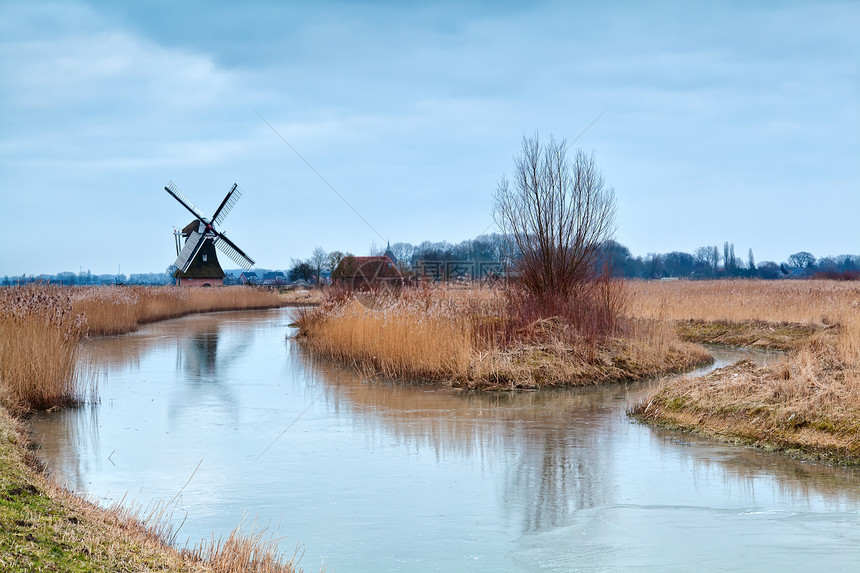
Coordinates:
(197, 261)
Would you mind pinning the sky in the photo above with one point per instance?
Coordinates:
(349, 124)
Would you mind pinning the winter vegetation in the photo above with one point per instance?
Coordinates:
(559, 319)
(808, 404)
(546, 302)
(485, 339)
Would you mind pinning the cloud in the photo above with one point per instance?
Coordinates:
(414, 112)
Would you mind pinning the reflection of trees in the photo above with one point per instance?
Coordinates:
(556, 447)
(561, 469)
(552, 445)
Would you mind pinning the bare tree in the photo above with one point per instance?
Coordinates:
(318, 261)
(557, 211)
(801, 260)
(333, 260)
(715, 259)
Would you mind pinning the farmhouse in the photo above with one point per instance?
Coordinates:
(367, 272)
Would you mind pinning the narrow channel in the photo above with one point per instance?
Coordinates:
(378, 476)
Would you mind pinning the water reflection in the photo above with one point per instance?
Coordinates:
(380, 475)
(559, 448)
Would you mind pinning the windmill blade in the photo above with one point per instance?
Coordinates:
(230, 249)
(185, 201)
(227, 204)
(189, 251)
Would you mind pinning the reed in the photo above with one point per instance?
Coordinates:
(39, 335)
(476, 338)
(413, 334)
(808, 403)
(797, 301)
(116, 310)
(42, 325)
(253, 552)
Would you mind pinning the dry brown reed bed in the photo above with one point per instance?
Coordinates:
(782, 315)
(469, 338)
(808, 404)
(39, 335)
(797, 301)
(116, 310)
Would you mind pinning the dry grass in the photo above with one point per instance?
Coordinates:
(802, 302)
(468, 338)
(252, 552)
(809, 403)
(424, 334)
(39, 335)
(116, 310)
(43, 527)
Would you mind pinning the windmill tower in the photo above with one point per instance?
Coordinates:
(197, 261)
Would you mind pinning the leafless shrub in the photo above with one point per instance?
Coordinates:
(557, 212)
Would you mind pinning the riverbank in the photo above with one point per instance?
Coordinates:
(464, 338)
(807, 405)
(46, 528)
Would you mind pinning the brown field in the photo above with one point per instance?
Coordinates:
(808, 404)
(466, 338)
(797, 301)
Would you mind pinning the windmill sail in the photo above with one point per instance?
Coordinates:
(198, 259)
(189, 251)
(186, 202)
(230, 249)
(227, 204)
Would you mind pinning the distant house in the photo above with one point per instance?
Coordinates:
(367, 272)
(274, 278)
(249, 277)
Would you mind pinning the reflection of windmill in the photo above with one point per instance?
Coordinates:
(197, 261)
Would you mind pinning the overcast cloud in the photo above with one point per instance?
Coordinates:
(734, 121)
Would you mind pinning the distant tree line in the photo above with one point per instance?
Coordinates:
(706, 262)
(89, 279)
(711, 262)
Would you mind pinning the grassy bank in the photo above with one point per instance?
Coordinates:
(466, 338)
(808, 404)
(786, 336)
(45, 528)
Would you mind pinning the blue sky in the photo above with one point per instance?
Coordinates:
(724, 121)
